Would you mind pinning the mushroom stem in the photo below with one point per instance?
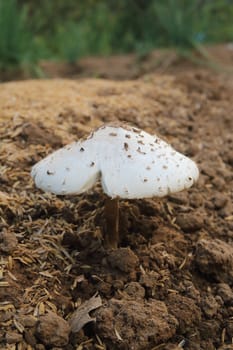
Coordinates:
(111, 213)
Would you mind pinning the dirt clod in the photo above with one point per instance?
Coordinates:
(190, 222)
(119, 319)
(123, 259)
(53, 330)
(8, 241)
(184, 309)
(215, 258)
(134, 290)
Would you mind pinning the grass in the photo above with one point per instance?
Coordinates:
(68, 31)
(15, 39)
(134, 26)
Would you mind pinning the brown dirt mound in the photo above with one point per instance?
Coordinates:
(169, 284)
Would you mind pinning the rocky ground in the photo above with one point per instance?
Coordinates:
(169, 284)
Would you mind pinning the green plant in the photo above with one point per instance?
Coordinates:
(15, 39)
(91, 34)
(69, 43)
(182, 22)
(220, 15)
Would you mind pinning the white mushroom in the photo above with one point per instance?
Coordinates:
(72, 169)
(130, 163)
(135, 164)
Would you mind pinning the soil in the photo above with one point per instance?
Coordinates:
(169, 284)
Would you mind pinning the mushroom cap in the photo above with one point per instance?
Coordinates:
(69, 170)
(130, 163)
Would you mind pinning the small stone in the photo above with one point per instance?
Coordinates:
(53, 330)
(190, 222)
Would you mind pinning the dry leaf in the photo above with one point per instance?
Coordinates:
(81, 316)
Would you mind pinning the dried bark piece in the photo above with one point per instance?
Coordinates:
(81, 316)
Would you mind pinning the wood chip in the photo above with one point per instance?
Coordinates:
(4, 284)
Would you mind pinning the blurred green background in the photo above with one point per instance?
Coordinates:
(69, 29)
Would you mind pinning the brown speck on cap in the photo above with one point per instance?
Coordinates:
(127, 136)
(126, 146)
(148, 168)
(129, 156)
(145, 180)
(136, 130)
(152, 149)
(82, 149)
(164, 166)
(156, 141)
(140, 151)
(50, 172)
(141, 142)
(92, 164)
(113, 134)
